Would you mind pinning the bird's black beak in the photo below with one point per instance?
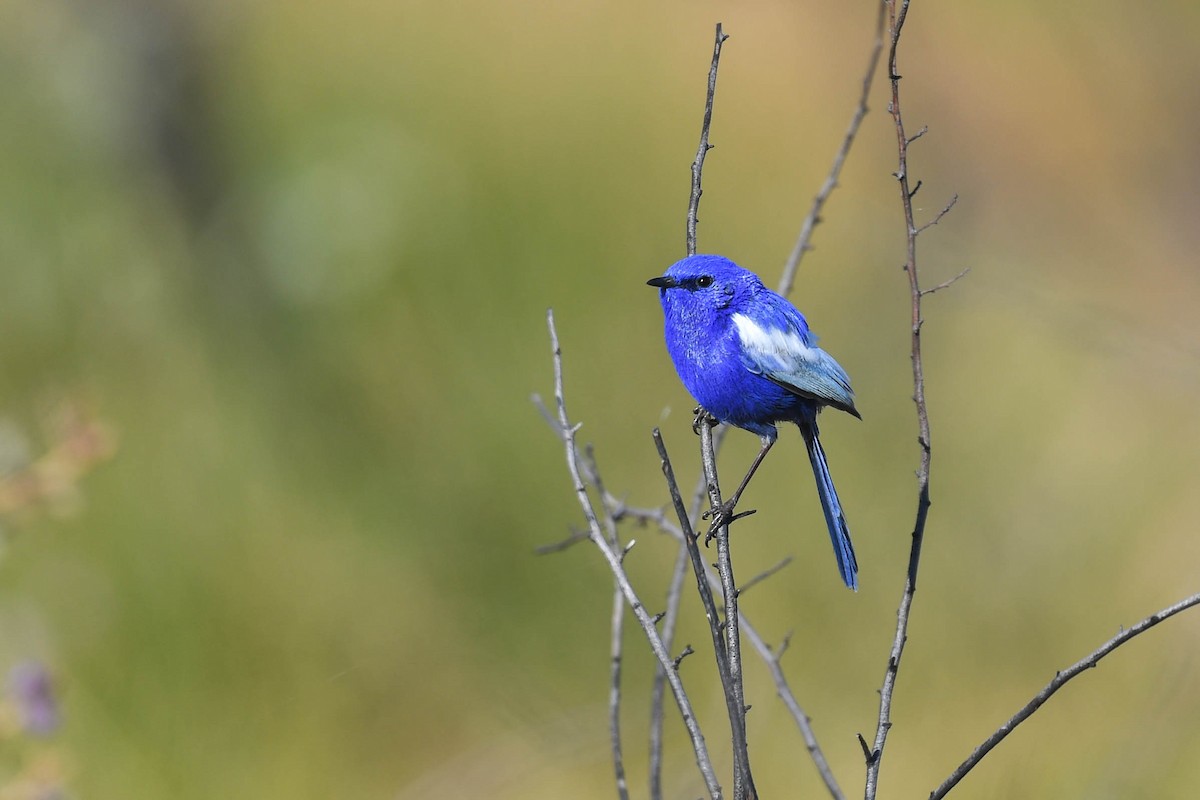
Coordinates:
(663, 282)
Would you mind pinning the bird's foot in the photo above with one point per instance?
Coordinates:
(701, 418)
(721, 516)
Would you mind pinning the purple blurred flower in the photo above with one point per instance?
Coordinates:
(32, 691)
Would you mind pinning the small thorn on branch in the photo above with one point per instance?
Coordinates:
(870, 755)
(627, 548)
(687, 651)
(742, 514)
(576, 536)
(915, 189)
(783, 646)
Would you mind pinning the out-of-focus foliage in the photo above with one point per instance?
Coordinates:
(297, 257)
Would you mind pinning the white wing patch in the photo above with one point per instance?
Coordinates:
(773, 348)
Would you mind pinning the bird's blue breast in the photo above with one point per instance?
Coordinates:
(708, 357)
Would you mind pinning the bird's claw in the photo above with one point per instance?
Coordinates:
(721, 516)
(701, 418)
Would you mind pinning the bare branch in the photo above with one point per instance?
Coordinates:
(897, 13)
(803, 241)
(1060, 679)
(567, 435)
(702, 151)
(735, 698)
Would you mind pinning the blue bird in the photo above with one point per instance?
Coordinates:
(748, 358)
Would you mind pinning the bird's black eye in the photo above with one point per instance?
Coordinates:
(704, 281)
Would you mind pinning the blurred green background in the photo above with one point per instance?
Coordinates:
(296, 257)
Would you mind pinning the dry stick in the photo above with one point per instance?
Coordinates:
(735, 698)
(1060, 678)
(617, 629)
(702, 151)
(831, 180)
(874, 755)
(567, 433)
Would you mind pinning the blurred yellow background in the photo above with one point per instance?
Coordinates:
(296, 257)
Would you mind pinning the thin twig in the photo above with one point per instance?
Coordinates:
(1060, 678)
(946, 284)
(702, 151)
(874, 759)
(617, 630)
(945, 210)
(803, 241)
(735, 698)
(567, 433)
(576, 537)
(766, 573)
(773, 659)
(924, 130)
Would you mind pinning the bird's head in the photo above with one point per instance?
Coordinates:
(705, 283)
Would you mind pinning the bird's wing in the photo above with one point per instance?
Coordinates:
(779, 347)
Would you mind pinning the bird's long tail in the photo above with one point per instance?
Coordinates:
(834, 519)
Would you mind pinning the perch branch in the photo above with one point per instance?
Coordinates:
(735, 697)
